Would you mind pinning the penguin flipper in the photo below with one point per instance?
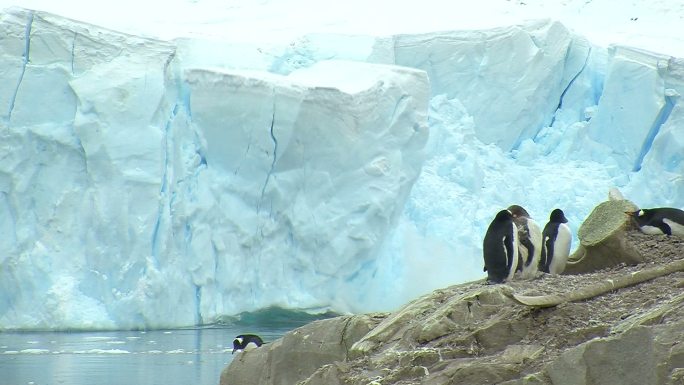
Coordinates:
(541, 266)
(549, 255)
(527, 243)
(665, 228)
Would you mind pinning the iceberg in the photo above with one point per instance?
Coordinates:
(150, 183)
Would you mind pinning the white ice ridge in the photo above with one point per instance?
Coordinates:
(149, 184)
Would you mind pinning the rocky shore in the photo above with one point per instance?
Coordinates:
(480, 334)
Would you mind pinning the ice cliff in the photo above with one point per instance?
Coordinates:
(148, 183)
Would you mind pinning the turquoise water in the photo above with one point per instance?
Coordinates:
(166, 357)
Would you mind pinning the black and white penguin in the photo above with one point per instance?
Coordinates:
(529, 241)
(661, 220)
(500, 248)
(246, 342)
(556, 246)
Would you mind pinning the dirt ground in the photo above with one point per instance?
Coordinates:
(569, 324)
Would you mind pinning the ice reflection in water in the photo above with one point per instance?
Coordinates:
(187, 356)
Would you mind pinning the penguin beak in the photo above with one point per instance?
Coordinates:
(233, 351)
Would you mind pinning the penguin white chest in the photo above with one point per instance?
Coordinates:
(650, 230)
(250, 346)
(531, 257)
(561, 249)
(676, 228)
(513, 258)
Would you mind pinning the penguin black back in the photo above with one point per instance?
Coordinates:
(660, 220)
(499, 248)
(246, 341)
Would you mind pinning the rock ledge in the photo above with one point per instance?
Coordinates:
(478, 334)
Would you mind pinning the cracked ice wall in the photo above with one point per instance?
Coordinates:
(138, 193)
(155, 184)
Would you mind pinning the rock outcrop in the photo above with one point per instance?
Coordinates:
(603, 241)
(300, 352)
(624, 327)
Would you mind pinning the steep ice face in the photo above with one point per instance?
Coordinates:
(527, 65)
(81, 172)
(632, 76)
(146, 183)
(304, 177)
(139, 192)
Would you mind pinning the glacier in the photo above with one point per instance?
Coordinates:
(150, 183)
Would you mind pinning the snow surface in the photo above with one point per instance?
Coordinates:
(247, 161)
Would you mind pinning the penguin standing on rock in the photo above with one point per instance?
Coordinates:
(246, 342)
(500, 248)
(661, 220)
(530, 241)
(556, 243)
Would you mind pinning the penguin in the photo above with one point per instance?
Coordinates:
(661, 220)
(529, 241)
(499, 248)
(246, 342)
(556, 246)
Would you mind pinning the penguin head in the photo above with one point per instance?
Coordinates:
(558, 216)
(503, 216)
(640, 217)
(238, 343)
(518, 211)
(638, 213)
(245, 341)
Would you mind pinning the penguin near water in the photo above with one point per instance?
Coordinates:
(556, 243)
(529, 241)
(661, 220)
(246, 342)
(500, 248)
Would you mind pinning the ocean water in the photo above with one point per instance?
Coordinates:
(193, 356)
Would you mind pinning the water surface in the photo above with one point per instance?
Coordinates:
(166, 357)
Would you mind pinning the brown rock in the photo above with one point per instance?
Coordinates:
(299, 353)
(603, 241)
(622, 324)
